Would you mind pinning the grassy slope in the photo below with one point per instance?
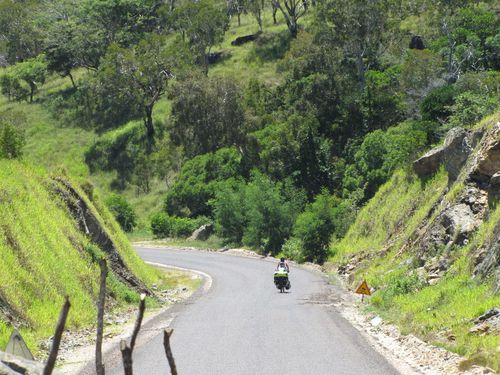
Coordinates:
(45, 257)
(440, 314)
(56, 145)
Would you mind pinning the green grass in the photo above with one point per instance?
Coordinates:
(44, 256)
(439, 314)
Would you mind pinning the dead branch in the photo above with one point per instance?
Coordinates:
(124, 348)
(100, 318)
(51, 361)
(166, 343)
(138, 322)
(126, 357)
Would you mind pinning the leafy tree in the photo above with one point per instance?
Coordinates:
(270, 216)
(315, 226)
(130, 81)
(203, 23)
(358, 27)
(33, 72)
(470, 107)
(229, 211)
(206, 114)
(292, 11)
(382, 103)
(12, 134)
(198, 181)
(122, 211)
(236, 7)
(18, 29)
(380, 153)
(470, 40)
(12, 88)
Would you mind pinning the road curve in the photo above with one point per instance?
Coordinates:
(244, 326)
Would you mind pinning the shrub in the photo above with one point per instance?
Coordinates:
(470, 107)
(122, 211)
(12, 141)
(198, 181)
(272, 46)
(292, 249)
(163, 225)
(436, 104)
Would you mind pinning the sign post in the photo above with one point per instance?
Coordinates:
(364, 290)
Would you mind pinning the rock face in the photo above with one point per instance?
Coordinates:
(453, 154)
(202, 233)
(473, 159)
(486, 163)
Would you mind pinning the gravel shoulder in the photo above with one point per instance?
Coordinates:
(408, 354)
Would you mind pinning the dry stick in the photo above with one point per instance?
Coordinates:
(99, 366)
(51, 361)
(127, 350)
(127, 357)
(140, 315)
(166, 343)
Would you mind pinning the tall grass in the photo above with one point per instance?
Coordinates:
(44, 257)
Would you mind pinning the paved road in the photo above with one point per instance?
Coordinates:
(244, 326)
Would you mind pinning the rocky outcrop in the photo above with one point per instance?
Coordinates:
(202, 233)
(453, 154)
(472, 158)
(486, 162)
(89, 224)
(455, 223)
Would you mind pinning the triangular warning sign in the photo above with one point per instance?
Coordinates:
(17, 346)
(363, 289)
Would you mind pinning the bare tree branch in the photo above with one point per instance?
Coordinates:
(51, 361)
(138, 322)
(100, 318)
(126, 357)
(166, 343)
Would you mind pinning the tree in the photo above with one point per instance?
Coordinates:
(12, 134)
(315, 226)
(122, 211)
(33, 72)
(236, 7)
(206, 114)
(357, 26)
(199, 180)
(132, 80)
(204, 25)
(292, 10)
(18, 29)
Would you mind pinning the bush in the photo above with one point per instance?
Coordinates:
(435, 106)
(199, 180)
(470, 107)
(163, 225)
(11, 141)
(293, 249)
(122, 211)
(272, 46)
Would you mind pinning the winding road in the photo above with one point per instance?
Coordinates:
(243, 326)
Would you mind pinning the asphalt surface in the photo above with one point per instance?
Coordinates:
(244, 326)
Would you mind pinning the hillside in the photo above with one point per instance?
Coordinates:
(288, 130)
(52, 234)
(428, 245)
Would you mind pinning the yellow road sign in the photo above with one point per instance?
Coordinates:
(363, 289)
(17, 346)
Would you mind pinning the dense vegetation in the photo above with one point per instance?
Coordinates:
(280, 142)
